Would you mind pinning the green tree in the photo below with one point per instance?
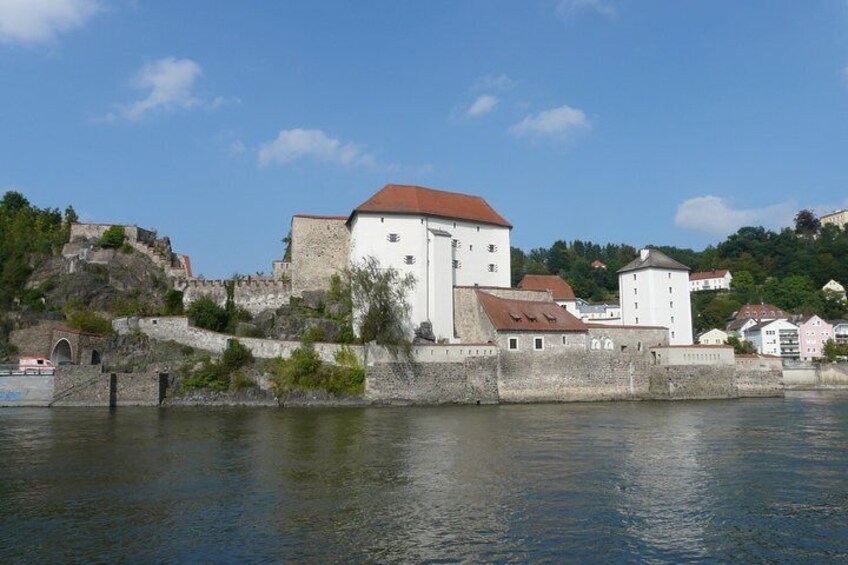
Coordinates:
(173, 302)
(113, 238)
(806, 223)
(741, 346)
(380, 304)
(206, 313)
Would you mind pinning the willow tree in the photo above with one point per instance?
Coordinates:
(380, 305)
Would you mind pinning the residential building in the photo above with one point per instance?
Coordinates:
(598, 264)
(654, 291)
(838, 218)
(713, 337)
(775, 337)
(710, 280)
(814, 333)
(444, 239)
(560, 290)
(604, 313)
(760, 312)
(739, 326)
(834, 287)
(840, 331)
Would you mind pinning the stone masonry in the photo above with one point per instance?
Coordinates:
(320, 248)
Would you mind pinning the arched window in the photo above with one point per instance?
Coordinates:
(608, 345)
(95, 357)
(596, 343)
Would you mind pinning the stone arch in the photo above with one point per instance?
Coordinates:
(62, 353)
(608, 344)
(95, 357)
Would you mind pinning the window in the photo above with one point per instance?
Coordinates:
(608, 345)
(671, 304)
(478, 228)
(669, 290)
(409, 259)
(538, 343)
(672, 335)
(493, 268)
(457, 264)
(382, 220)
(637, 320)
(639, 346)
(470, 247)
(635, 291)
(454, 225)
(635, 305)
(596, 343)
(669, 275)
(393, 238)
(563, 340)
(634, 276)
(493, 248)
(672, 319)
(513, 344)
(456, 243)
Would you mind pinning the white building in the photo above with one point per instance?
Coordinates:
(714, 336)
(710, 280)
(776, 337)
(654, 291)
(838, 218)
(444, 239)
(604, 313)
(835, 288)
(560, 290)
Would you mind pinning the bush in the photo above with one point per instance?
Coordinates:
(241, 381)
(127, 249)
(313, 334)
(207, 314)
(113, 238)
(88, 321)
(173, 302)
(236, 356)
(219, 375)
(304, 370)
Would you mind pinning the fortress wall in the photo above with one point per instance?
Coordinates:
(320, 248)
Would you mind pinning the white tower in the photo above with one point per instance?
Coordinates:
(654, 291)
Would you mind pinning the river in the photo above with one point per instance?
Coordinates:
(725, 481)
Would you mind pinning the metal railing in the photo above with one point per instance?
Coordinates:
(18, 371)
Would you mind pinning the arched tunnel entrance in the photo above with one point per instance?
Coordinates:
(62, 353)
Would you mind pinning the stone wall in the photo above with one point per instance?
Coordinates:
(757, 375)
(440, 374)
(471, 324)
(693, 382)
(693, 355)
(178, 329)
(87, 386)
(86, 348)
(35, 341)
(254, 295)
(320, 248)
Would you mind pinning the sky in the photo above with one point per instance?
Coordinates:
(634, 121)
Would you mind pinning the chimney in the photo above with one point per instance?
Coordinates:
(643, 254)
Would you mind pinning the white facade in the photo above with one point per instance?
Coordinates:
(778, 337)
(597, 313)
(711, 283)
(714, 336)
(657, 296)
(835, 288)
(440, 253)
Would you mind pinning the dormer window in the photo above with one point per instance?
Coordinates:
(493, 248)
(409, 259)
(393, 237)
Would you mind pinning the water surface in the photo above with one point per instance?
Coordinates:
(749, 480)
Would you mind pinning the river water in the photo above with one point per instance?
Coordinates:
(728, 481)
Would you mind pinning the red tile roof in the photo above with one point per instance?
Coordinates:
(760, 312)
(317, 217)
(527, 315)
(702, 275)
(598, 264)
(408, 199)
(560, 289)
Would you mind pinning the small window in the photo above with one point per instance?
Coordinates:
(493, 268)
(513, 344)
(456, 243)
(470, 247)
(457, 264)
(669, 290)
(454, 225)
(635, 291)
(672, 319)
(393, 238)
(596, 343)
(538, 343)
(478, 228)
(563, 340)
(671, 304)
(672, 335)
(635, 305)
(637, 321)
(493, 248)
(639, 346)
(608, 345)
(634, 276)
(669, 275)
(409, 259)
(382, 220)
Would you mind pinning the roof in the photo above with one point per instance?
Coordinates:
(703, 275)
(759, 312)
(598, 264)
(419, 200)
(761, 325)
(653, 259)
(738, 323)
(317, 217)
(526, 315)
(560, 290)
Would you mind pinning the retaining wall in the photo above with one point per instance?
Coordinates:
(693, 382)
(87, 386)
(32, 390)
(252, 295)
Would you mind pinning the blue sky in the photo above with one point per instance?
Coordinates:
(631, 121)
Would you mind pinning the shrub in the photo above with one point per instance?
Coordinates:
(207, 314)
(236, 356)
(173, 302)
(313, 334)
(241, 381)
(88, 321)
(304, 370)
(209, 375)
(127, 249)
(113, 238)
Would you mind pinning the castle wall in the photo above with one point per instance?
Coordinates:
(693, 382)
(251, 294)
(87, 386)
(759, 376)
(320, 248)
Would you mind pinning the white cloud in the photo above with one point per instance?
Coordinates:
(570, 8)
(37, 21)
(170, 83)
(494, 82)
(713, 215)
(484, 104)
(292, 144)
(556, 122)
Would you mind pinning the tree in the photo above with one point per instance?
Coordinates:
(207, 314)
(741, 346)
(113, 237)
(806, 223)
(380, 305)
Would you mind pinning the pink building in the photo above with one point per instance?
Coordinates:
(814, 333)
